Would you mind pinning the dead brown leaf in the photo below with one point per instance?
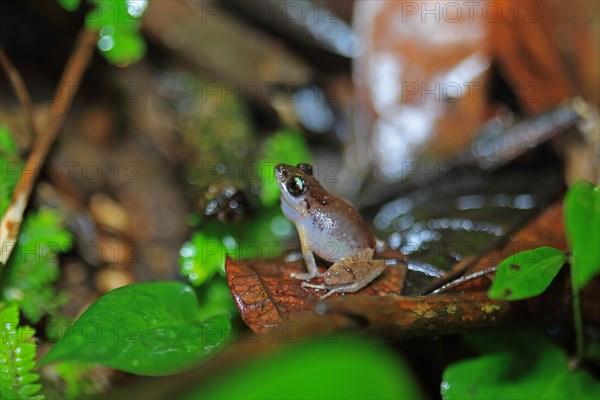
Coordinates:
(266, 296)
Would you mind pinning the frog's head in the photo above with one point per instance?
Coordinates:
(294, 185)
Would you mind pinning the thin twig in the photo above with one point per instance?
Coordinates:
(20, 89)
(460, 280)
(64, 94)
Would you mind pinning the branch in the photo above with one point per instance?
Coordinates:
(76, 65)
(20, 89)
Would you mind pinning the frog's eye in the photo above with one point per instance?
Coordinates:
(306, 168)
(296, 186)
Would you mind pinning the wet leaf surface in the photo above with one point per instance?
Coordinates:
(147, 328)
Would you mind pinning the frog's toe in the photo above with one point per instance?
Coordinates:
(331, 289)
(306, 276)
(315, 286)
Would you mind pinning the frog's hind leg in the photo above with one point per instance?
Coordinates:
(350, 288)
(350, 275)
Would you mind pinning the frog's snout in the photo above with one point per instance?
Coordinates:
(281, 172)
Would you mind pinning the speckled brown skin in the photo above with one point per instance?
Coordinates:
(330, 227)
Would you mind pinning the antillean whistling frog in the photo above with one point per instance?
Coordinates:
(329, 227)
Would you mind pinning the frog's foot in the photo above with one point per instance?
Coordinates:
(307, 276)
(350, 288)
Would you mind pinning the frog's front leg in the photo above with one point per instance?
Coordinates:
(309, 259)
(350, 274)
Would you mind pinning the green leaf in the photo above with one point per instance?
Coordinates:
(69, 5)
(144, 328)
(326, 368)
(117, 14)
(122, 48)
(526, 274)
(286, 146)
(202, 257)
(118, 24)
(524, 367)
(582, 220)
(258, 237)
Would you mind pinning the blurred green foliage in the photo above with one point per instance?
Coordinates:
(17, 357)
(75, 380)
(69, 5)
(528, 365)
(32, 267)
(10, 167)
(257, 237)
(526, 274)
(338, 367)
(118, 24)
(202, 257)
(517, 365)
(146, 328)
(285, 146)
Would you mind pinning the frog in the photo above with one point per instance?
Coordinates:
(329, 227)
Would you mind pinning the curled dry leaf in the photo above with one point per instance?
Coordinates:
(266, 296)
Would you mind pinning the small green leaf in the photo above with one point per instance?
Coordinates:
(326, 368)
(526, 274)
(69, 5)
(144, 328)
(117, 14)
(122, 48)
(258, 237)
(521, 366)
(582, 220)
(202, 257)
(118, 24)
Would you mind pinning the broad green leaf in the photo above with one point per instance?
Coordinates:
(582, 220)
(324, 368)
(526, 367)
(144, 328)
(69, 5)
(287, 147)
(526, 274)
